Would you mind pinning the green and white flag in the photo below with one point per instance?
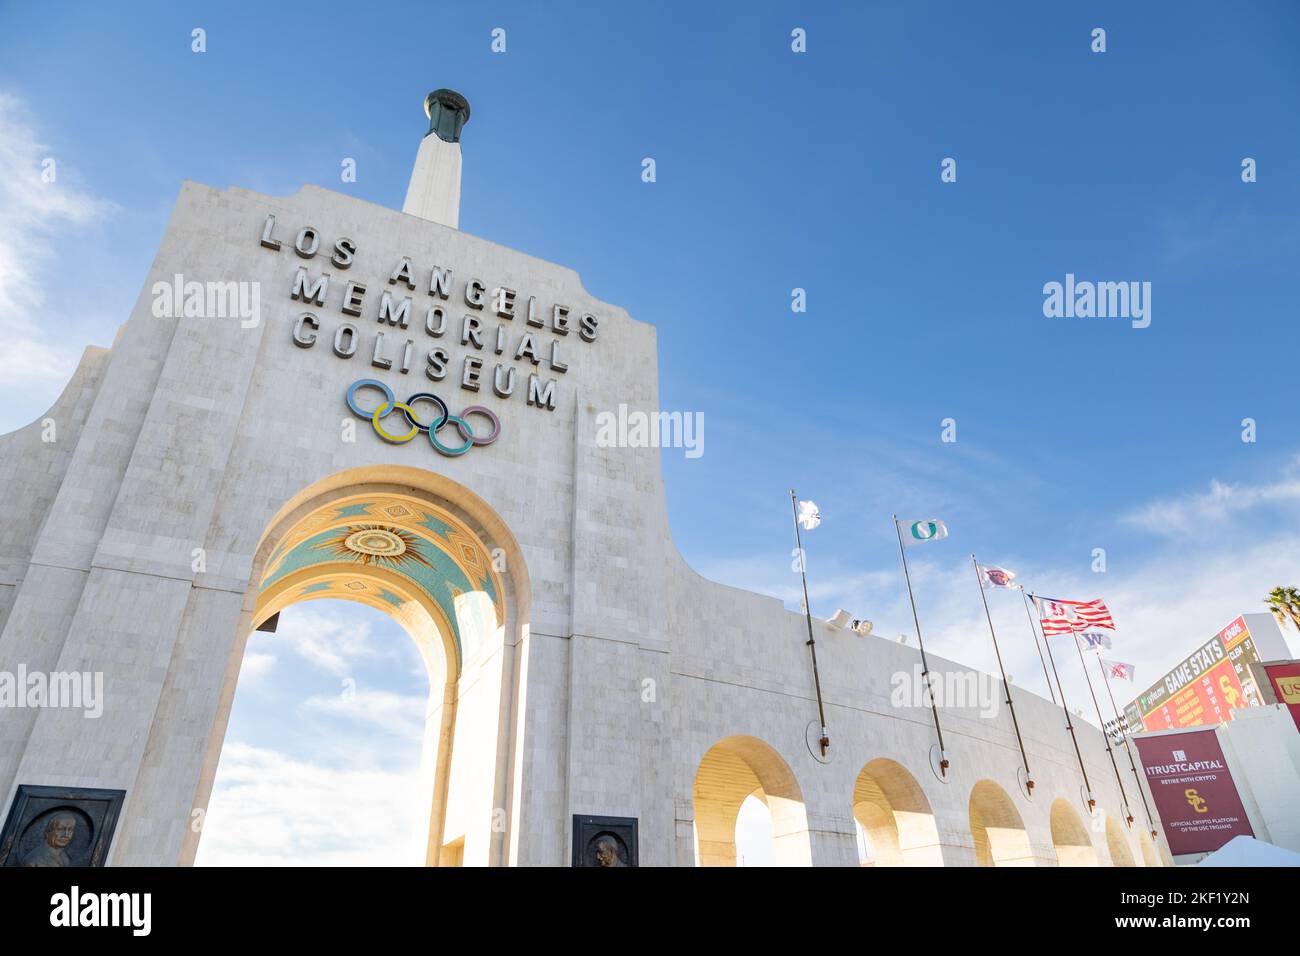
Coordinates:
(919, 532)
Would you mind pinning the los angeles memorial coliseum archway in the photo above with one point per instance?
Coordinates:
(315, 395)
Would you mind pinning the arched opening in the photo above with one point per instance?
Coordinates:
(731, 771)
(894, 818)
(998, 831)
(1070, 836)
(432, 557)
(1150, 856)
(754, 844)
(1117, 845)
(321, 764)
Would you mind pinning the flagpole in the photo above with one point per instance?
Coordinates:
(1029, 780)
(1128, 810)
(1034, 634)
(1127, 749)
(925, 665)
(824, 741)
(1069, 724)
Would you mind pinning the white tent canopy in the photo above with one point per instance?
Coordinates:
(1247, 851)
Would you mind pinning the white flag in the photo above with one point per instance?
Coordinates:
(1096, 640)
(918, 532)
(1118, 670)
(809, 516)
(992, 577)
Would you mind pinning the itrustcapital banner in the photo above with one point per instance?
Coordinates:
(1194, 794)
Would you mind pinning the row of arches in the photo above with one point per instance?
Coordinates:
(894, 821)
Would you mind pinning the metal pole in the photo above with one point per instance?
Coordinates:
(1034, 634)
(824, 741)
(925, 665)
(1129, 750)
(1128, 811)
(1069, 724)
(1029, 780)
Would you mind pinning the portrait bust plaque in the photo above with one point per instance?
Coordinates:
(59, 826)
(604, 841)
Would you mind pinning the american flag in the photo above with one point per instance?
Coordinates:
(1095, 614)
(1063, 617)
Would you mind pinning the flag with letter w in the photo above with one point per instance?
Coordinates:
(1095, 640)
(919, 532)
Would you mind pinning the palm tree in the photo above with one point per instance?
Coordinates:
(1285, 605)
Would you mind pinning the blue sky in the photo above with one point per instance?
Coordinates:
(778, 170)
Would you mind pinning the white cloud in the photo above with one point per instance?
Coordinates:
(256, 666)
(324, 640)
(313, 776)
(400, 714)
(1210, 510)
(33, 212)
(269, 809)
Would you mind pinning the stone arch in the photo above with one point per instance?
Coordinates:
(398, 551)
(440, 561)
(1117, 844)
(1070, 836)
(730, 771)
(997, 829)
(893, 811)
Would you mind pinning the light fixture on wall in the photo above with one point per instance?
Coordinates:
(838, 620)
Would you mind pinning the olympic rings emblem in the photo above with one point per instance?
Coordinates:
(390, 404)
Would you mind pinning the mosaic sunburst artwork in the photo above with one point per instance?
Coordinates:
(380, 545)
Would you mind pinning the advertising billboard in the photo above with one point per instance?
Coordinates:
(1199, 807)
(1210, 683)
(1203, 689)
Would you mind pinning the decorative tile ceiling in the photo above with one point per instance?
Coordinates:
(425, 545)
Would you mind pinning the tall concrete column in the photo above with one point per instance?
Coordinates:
(434, 190)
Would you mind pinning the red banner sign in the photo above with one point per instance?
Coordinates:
(1198, 803)
(1285, 679)
(1206, 700)
(1234, 633)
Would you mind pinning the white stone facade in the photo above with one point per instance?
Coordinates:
(616, 668)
